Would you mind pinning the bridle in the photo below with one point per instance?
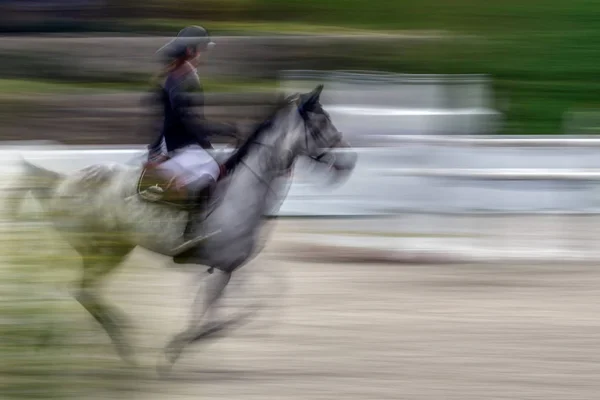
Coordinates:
(308, 129)
(316, 134)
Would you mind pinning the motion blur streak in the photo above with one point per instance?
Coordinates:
(457, 261)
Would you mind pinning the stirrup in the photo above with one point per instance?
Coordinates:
(153, 193)
(188, 244)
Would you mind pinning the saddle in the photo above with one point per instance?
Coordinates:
(158, 186)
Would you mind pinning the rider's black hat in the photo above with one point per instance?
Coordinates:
(192, 36)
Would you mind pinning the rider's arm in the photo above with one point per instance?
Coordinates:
(157, 147)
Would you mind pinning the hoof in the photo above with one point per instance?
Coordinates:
(126, 353)
(171, 354)
(128, 357)
(163, 369)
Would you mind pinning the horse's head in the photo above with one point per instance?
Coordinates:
(299, 126)
(319, 139)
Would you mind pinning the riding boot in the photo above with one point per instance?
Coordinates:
(199, 196)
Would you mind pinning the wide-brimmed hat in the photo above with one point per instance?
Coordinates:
(192, 36)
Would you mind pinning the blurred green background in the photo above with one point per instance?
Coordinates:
(541, 54)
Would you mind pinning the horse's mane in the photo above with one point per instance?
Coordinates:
(236, 158)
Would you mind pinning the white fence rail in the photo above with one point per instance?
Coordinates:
(415, 175)
(364, 102)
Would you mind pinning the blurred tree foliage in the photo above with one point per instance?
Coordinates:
(541, 53)
(204, 9)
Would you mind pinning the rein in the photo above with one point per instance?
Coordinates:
(308, 129)
(289, 169)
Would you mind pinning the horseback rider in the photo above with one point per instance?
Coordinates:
(180, 148)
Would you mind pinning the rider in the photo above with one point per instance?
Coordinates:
(183, 137)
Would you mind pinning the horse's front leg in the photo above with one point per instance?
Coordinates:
(204, 305)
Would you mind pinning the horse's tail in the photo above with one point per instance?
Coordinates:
(34, 180)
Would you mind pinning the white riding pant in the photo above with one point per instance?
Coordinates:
(191, 163)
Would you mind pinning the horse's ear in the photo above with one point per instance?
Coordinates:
(308, 100)
(317, 91)
(315, 94)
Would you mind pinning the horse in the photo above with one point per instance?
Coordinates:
(104, 213)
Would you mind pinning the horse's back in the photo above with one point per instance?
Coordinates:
(92, 190)
(96, 176)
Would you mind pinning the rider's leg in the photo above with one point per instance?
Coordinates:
(192, 169)
(199, 192)
(199, 188)
(198, 162)
(196, 173)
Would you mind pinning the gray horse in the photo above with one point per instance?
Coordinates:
(100, 213)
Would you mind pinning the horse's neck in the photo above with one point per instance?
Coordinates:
(254, 177)
(252, 188)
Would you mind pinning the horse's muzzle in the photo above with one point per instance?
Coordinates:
(345, 157)
(344, 162)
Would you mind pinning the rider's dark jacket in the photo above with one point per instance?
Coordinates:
(181, 100)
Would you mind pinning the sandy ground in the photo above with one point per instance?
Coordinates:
(370, 331)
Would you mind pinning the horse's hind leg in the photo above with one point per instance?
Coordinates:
(97, 263)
